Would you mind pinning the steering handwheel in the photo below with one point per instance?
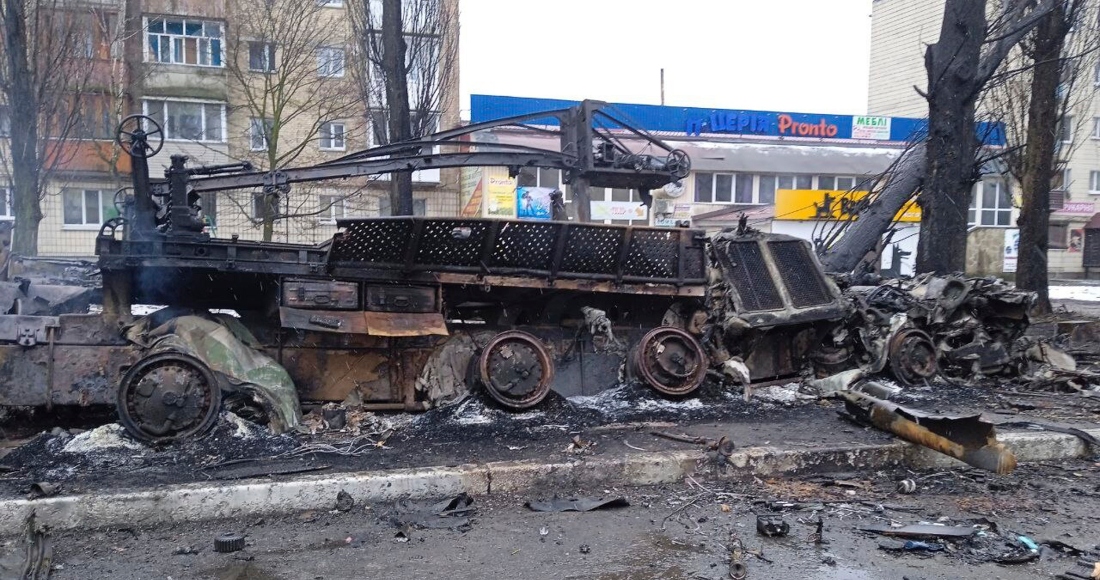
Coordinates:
(136, 142)
(678, 164)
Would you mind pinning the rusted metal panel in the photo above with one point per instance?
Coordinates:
(341, 321)
(392, 298)
(331, 375)
(81, 374)
(405, 324)
(320, 294)
(581, 285)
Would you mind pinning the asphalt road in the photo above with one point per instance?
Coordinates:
(673, 532)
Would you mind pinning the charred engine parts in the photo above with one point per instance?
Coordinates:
(772, 525)
(912, 357)
(168, 396)
(516, 369)
(671, 361)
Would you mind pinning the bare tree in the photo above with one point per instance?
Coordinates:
(50, 55)
(288, 61)
(1033, 100)
(944, 168)
(407, 70)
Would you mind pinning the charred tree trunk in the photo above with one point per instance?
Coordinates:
(397, 99)
(22, 99)
(1039, 154)
(954, 84)
(862, 235)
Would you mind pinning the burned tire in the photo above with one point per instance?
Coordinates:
(516, 369)
(913, 357)
(168, 396)
(671, 361)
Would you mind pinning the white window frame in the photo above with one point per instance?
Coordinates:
(5, 121)
(7, 212)
(337, 208)
(976, 204)
(1065, 130)
(327, 134)
(253, 123)
(269, 58)
(754, 187)
(1096, 127)
(164, 117)
(1094, 182)
(420, 176)
(326, 60)
(84, 224)
(331, 3)
(173, 53)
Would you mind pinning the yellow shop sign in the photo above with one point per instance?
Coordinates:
(824, 204)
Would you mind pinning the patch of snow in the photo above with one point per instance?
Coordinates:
(110, 436)
(1085, 293)
(242, 429)
(789, 393)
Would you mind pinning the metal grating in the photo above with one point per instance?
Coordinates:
(800, 275)
(653, 254)
(751, 277)
(446, 243)
(592, 249)
(525, 245)
(377, 241)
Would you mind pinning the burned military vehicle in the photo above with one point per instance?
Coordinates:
(405, 313)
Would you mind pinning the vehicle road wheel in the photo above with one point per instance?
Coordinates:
(168, 396)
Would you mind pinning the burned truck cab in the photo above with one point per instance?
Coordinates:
(770, 303)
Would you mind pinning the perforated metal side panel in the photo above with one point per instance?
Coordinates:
(376, 241)
(800, 275)
(526, 245)
(439, 246)
(592, 249)
(653, 254)
(751, 278)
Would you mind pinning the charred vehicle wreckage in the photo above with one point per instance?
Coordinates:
(408, 313)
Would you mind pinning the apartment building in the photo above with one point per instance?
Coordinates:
(271, 82)
(900, 31)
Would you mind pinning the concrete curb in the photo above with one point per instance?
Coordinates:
(207, 501)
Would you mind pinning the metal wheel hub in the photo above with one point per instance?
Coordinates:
(671, 361)
(516, 369)
(913, 357)
(168, 396)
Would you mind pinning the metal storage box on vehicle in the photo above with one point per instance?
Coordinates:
(402, 299)
(322, 294)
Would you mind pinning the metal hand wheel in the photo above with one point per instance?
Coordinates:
(136, 142)
(120, 199)
(678, 163)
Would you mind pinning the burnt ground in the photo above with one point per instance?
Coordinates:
(677, 532)
(616, 421)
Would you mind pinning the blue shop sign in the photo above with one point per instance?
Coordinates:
(698, 121)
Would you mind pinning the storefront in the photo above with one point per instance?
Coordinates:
(751, 162)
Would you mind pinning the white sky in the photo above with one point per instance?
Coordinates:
(773, 55)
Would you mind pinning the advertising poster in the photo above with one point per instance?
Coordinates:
(502, 197)
(1012, 250)
(619, 210)
(877, 128)
(471, 191)
(533, 203)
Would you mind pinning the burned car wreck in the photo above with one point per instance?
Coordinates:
(409, 313)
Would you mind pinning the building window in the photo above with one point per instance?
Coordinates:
(86, 207)
(845, 183)
(188, 120)
(209, 204)
(1065, 129)
(767, 189)
(330, 61)
(826, 182)
(1058, 236)
(330, 3)
(1096, 75)
(332, 137)
(179, 41)
(796, 182)
(1094, 181)
(332, 208)
(258, 130)
(990, 204)
(420, 207)
(261, 57)
(5, 205)
(1095, 127)
(5, 121)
